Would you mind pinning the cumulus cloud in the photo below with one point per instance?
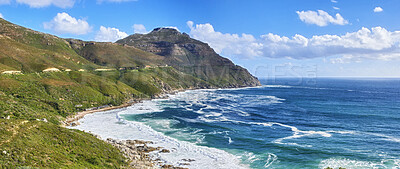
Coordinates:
(374, 43)
(378, 9)
(230, 44)
(45, 3)
(1, 15)
(139, 28)
(336, 8)
(333, 1)
(2, 2)
(321, 18)
(64, 23)
(109, 34)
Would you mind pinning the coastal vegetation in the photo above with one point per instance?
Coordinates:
(48, 79)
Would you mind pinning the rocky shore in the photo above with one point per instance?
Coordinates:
(137, 152)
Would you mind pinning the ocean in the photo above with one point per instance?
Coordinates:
(286, 123)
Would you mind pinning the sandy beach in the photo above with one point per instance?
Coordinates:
(79, 115)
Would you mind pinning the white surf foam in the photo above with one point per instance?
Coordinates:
(358, 164)
(296, 133)
(146, 106)
(383, 136)
(203, 102)
(304, 133)
(271, 159)
(277, 86)
(111, 125)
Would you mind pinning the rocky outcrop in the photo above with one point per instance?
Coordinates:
(192, 56)
(136, 151)
(136, 154)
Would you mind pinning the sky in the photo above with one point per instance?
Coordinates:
(285, 38)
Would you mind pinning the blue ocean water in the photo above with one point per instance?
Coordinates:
(291, 123)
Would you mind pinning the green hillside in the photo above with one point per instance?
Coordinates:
(30, 51)
(115, 55)
(92, 74)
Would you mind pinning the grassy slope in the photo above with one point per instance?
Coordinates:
(40, 144)
(31, 51)
(54, 96)
(104, 54)
(48, 95)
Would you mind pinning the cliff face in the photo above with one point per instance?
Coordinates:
(192, 56)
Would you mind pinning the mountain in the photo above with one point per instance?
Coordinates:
(26, 50)
(191, 56)
(115, 55)
(84, 75)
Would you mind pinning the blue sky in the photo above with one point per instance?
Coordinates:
(295, 38)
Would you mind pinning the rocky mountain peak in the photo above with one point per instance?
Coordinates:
(165, 30)
(191, 56)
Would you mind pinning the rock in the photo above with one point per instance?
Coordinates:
(167, 166)
(5, 152)
(188, 160)
(136, 151)
(8, 117)
(45, 120)
(74, 124)
(171, 167)
(164, 151)
(146, 149)
(138, 142)
(97, 136)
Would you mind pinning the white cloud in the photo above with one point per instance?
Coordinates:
(336, 8)
(64, 23)
(321, 18)
(378, 9)
(333, 1)
(2, 2)
(172, 27)
(229, 44)
(109, 34)
(1, 15)
(45, 3)
(376, 43)
(345, 59)
(139, 28)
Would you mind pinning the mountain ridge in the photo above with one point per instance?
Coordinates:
(191, 56)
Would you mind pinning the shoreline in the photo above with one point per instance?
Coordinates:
(135, 151)
(79, 115)
(130, 150)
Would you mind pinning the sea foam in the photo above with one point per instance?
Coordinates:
(111, 124)
(358, 164)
